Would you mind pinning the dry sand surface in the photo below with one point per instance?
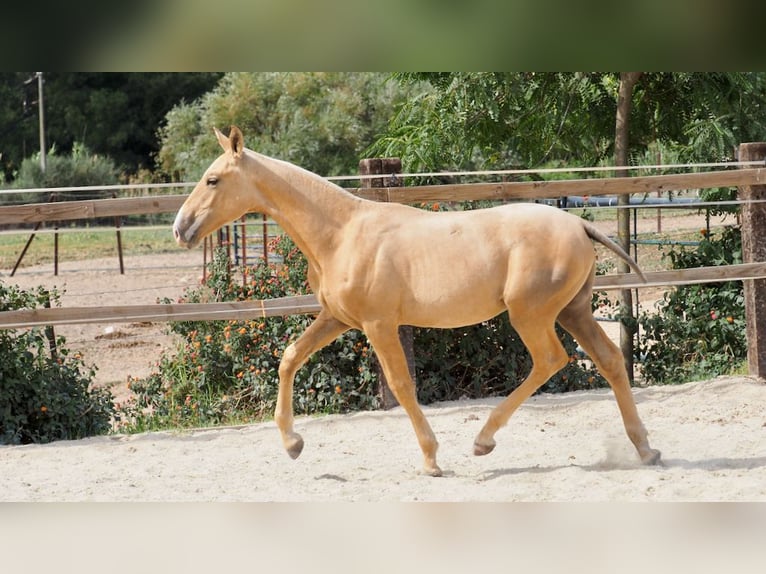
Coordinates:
(556, 447)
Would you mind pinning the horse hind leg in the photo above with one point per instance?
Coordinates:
(578, 319)
(548, 357)
(321, 332)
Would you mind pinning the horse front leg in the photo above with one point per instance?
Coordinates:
(388, 348)
(321, 332)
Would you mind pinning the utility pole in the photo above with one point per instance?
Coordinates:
(40, 112)
(43, 162)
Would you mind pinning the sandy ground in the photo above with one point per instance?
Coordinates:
(556, 447)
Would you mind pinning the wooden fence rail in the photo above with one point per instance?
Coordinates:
(89, 209)
(307, 304)
(86, 209)
(559, 188)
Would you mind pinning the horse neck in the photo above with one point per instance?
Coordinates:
(309, 208)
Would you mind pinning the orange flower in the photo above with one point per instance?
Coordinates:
(44, 409)
(337, 389)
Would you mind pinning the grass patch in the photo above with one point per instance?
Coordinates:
(83, 243)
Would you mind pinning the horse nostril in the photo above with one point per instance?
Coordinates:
(176, 235)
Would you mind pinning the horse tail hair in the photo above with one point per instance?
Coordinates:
(596, 235)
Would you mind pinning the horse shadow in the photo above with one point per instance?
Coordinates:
(710, 464)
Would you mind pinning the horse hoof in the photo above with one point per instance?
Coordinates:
(482, 449)
(652, 457)
(433, 471)
(295, 449)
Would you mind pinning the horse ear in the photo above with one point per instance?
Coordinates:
(237, 141)
(222, 139)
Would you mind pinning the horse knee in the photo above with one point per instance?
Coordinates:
(286, 365)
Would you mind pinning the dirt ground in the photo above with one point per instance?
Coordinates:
(556, 447)
(566, 447)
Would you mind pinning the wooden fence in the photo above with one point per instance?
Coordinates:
(89, 209)
(752, 181)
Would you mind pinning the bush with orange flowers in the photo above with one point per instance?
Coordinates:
(45, 394)
(697, 331)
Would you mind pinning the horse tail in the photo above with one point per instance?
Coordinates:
(596, 235)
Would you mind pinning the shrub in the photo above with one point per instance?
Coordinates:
(488, 359)
(698, 331)
(45, 396)
(80, 168)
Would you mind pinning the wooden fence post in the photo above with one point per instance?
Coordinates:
(388, 168)
(754, 250)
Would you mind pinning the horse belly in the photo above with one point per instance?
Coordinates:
(452, 295)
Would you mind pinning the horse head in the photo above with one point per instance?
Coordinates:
(219, 197)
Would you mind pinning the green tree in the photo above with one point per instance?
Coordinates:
(493, 119)
(113, 114)
(320, 121)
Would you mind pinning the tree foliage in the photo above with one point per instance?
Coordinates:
(490, 119)
(113, 114)
(320, 121)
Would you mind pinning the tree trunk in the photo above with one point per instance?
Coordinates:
(628, 81)
(754, 250)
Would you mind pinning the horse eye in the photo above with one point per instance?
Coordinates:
(212, 180)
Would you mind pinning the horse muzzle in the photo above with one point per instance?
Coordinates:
(185, 234)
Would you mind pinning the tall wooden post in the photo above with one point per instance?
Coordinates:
(754, 250)
(628, 81)
(388, 168)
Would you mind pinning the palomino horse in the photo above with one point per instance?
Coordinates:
(376, 266)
